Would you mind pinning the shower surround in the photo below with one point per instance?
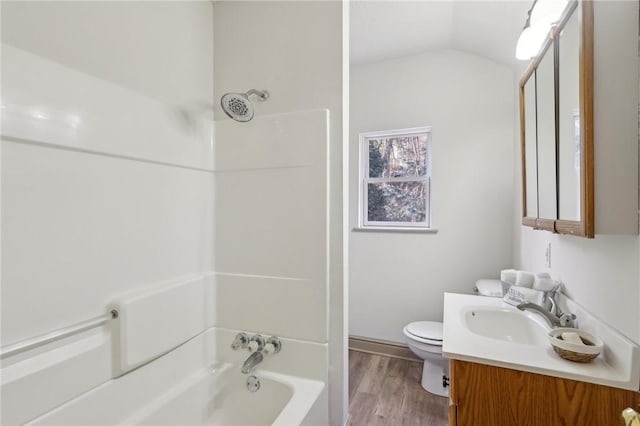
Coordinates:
(118, 196)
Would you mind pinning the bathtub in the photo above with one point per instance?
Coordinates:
(200, 383)
(220, 397)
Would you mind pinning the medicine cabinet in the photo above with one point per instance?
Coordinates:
(556, 126)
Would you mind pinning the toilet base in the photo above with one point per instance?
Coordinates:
(432, 372)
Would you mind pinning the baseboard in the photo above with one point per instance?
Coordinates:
(381, 347)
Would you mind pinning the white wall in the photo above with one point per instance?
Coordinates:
(603, 274)
(395, 277)
(294, 50)
(600, 274)
(106, 179)
(162, 49)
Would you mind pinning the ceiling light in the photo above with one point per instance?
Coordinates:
(542, 15)
(532, 39)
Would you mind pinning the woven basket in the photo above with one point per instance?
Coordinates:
(589, 349)
(576, 356)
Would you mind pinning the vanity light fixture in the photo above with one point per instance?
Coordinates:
(542, 15)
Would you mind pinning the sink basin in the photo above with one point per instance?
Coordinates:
(504, 324)
(487, 330)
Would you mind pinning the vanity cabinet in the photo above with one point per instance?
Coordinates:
(483, 395)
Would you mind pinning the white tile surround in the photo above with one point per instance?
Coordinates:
(302, 72)
(79, 229)
(268, 304)
(271, 250)
(105, 192)
(112, 201)
(45, 102)
(153, 322)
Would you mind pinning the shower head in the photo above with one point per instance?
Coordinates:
(238, 106)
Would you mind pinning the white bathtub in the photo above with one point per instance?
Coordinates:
(219, 396)
(200, 383)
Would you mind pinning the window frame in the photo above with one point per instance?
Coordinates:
(364, 180)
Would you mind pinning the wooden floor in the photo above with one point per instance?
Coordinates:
(387, 391)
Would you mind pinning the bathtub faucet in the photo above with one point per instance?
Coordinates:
(253, 360)
(258, 346)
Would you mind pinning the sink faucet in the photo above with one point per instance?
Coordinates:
(253, 360)
(551, 319)
(554, 318)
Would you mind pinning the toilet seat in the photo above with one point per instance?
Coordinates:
(428, 332)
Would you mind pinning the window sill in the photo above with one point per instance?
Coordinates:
(400, 229)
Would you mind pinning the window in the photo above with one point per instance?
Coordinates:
(395, 178)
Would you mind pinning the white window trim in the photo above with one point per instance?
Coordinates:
(363, 149)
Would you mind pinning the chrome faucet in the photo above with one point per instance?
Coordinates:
(250, 363)
(554, 316)
(258, 346)
(566, 320)
(551, 319)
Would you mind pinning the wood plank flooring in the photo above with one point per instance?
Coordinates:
(386, 391)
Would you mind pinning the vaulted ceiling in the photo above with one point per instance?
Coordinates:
(387, 29)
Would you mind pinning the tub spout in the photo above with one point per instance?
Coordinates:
(253, 360)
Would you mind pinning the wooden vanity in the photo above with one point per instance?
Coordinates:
(483, 395)
(500, 378)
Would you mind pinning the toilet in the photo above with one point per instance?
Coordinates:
(425, 340)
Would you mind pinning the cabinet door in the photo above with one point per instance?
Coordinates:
(490, 396)
(453, 415)
(453, 407)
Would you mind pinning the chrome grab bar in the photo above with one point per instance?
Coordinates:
(43, 339)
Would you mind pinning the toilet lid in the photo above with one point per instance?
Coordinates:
(426, 329)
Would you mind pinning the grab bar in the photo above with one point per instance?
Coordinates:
(43, 339)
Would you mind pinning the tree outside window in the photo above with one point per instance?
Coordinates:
(396, 177)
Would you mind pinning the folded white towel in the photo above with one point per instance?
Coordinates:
(541, 281)
(491, 288)
(517, 295)
(525, 279)
(508, 276)
(544, 283)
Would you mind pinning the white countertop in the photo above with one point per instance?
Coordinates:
(618, 365)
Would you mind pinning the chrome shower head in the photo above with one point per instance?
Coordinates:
(238, 106)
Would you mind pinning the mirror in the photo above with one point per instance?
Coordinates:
(563, 114)
(528, 129)
(546, 127)
(569, 120)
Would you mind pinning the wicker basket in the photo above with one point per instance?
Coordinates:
(573, 352)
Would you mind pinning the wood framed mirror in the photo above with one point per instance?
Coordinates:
(574, 52)
(538, 140)
(556, 128)
(529, 148)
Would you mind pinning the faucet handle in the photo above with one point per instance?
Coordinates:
(566, 320)
(272, 346)
(240, 342)
(256, 343)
